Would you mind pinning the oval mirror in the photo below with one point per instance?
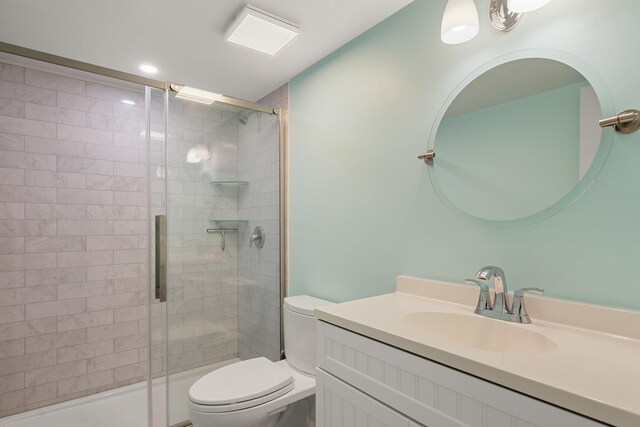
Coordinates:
(519, 140)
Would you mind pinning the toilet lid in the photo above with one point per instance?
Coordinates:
(242, 382)
(304, 304)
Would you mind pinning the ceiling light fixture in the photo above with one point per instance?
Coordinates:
(523, 6)
(262, 31)
(459, 22)
(148, 68)
(128, 102)
(196, 95)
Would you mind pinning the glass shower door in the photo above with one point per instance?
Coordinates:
(223, 293)
(83, 178)
(156, 349)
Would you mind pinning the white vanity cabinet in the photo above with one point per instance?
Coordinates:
(362, 382)
(339, 404)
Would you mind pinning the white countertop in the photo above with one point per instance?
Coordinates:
(591, 372)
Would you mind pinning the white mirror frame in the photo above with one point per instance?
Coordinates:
(606, 104)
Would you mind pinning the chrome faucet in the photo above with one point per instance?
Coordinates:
(500, 302)
(499, 308)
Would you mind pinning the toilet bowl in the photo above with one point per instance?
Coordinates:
(261, 393)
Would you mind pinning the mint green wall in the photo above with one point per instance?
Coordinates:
(362, 209)
(477, 155)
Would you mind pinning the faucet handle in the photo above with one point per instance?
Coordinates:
(484, 299)
(518, 308)
(520, 292)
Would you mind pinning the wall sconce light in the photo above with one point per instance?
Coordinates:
(460, 18)
(459, 22)
(505, 14)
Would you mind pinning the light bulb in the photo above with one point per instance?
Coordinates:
(523, 6)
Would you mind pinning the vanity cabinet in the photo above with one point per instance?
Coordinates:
(363, 382)
(339, 404)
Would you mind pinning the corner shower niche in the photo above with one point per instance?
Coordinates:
(223, 227)
(226, 185)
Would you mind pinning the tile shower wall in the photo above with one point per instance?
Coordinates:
(259, 269)
(74, 232)
(202, 278)
(73, 228)
(279, 98)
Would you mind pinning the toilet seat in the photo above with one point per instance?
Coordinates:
(241, 385)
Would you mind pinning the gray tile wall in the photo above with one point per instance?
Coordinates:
(73, 238)
(259, 269)
(203, 279)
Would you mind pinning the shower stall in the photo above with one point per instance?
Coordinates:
(140, 242)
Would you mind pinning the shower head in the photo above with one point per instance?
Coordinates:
(243, 116)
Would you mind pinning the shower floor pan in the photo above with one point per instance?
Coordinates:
(124, 406)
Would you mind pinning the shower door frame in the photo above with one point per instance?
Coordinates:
(166, 87)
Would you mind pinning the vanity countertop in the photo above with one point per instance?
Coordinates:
(594, 370)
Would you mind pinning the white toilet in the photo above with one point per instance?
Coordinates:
(261, 393)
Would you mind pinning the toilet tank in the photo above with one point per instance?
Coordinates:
(300, 331)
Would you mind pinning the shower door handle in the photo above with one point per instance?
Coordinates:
(161, 258)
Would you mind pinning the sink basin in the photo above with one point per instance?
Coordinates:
(478, 332)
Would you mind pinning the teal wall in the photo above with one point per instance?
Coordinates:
(362, 209)
(477, 154)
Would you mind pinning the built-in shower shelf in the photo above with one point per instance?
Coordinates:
(230, 182)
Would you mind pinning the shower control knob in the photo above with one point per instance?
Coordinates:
(257, 237)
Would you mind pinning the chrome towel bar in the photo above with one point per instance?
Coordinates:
(221, 231)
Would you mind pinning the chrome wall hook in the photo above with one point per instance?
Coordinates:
(626, 122)
(428, 157)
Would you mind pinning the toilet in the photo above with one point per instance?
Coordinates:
(261, 393)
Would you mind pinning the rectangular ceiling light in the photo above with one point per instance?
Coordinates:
(197, 95)
(262, 31)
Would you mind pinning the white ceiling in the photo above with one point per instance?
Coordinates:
(184, 39)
